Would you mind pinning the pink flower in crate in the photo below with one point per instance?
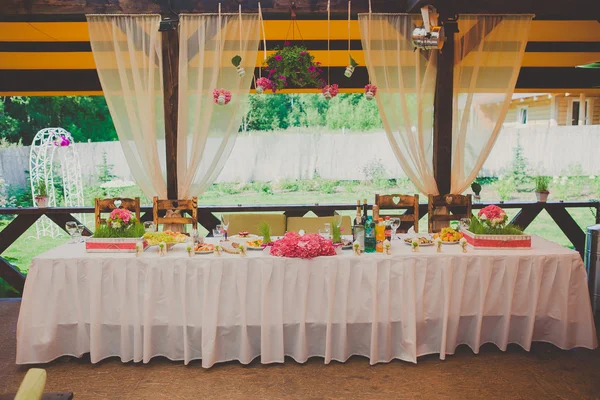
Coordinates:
(120, 217)
(493, 215)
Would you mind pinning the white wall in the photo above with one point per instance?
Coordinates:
(268, 157)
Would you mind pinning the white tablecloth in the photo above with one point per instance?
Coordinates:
(232, 308)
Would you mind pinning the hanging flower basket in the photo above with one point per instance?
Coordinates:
(237, 61)
(263, 84)
(330, 91)
(370, 91)
(222, 96)
(293, 66)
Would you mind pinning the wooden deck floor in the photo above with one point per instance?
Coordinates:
(544, 373)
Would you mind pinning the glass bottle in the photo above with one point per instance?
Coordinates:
(370, 235)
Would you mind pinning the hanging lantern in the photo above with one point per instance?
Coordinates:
(237, 61)
(222, 96)
(330, 91)
(350, 68)
(263, 84)
(370, 91)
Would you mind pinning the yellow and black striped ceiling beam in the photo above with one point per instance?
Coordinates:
(55, 57)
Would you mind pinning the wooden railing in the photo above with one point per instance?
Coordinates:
(26, 217)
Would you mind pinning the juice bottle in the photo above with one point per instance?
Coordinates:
(379, 235)
(388, 229)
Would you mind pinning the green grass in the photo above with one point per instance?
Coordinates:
(134, 231)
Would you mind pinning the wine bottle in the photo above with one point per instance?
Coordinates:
(369, 236)
(365, 213)
(358, 229)
(358, 218)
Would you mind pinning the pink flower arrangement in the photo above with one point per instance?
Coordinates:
(120, 218)
(307, 246)
(493, 216)
(62, 141)
(371, 88)
(222, 96)
(263, 84)
(330, 91)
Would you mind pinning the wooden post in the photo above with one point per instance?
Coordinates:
(582, 116)
(442, 117)
(170, 55)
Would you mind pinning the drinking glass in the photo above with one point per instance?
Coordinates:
(218, 232)
(225, 222)
(149, 226)
(465, 223)
(71, 228)
(325, 231)
(395, 223)
(79, 233)
(337, 220)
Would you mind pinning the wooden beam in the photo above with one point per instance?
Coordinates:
(12, 275)
(442, 117)
(170, 55)
(416, 5)
(15, 229)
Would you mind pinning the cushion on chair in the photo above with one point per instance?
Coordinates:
(313, 224)
(32, 387)
(250, 223)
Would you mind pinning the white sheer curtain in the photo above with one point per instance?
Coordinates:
(127, 52)
(406, 86)
(488, 55)
(207, 131)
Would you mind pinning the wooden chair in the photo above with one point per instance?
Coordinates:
(180, 206)
(107, 205)
(400, 202)
(456, 205)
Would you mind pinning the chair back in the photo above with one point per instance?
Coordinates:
(107, 205)
(313, 224)
(453, 207)
(251, 222)
(410, 203)
(178, 206)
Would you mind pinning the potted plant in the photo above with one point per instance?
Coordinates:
(476, 188)
(41, 197)
(541, 188)
(293, 66)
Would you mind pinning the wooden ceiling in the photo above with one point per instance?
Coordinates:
(45, 49)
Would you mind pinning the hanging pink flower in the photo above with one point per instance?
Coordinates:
(330, 91)
(287, 43)
(222, 96)
(263, 84)
(307, 246)
(370, 91)
(278, 57)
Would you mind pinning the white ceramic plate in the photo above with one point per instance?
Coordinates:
(254, 248)
(242, 240)
(420, 245)
(204, 252)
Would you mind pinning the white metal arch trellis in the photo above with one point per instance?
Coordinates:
(49, 150)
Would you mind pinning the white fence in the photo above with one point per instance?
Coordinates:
(274, 156)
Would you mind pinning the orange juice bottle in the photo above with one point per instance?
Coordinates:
(379, 235)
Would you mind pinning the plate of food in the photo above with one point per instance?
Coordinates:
(243, 237)
(230, 246)
(204, 248)
(254, 244)
(449, 236)
(346, 244)
(423, 240)
(170, 238)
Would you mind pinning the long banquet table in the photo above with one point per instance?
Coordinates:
(238, 308)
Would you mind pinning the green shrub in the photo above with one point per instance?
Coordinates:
(327, 186)
(307, 185)
(265, 188)
(505, 188)
(289, 185)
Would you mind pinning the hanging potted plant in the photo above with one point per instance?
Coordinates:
(41, 198)
(222, 96)
(237, 61)
(350, 68)
(293, 66)
(370, 91)
(476, 188)
(330, 91)
(541, 188)
(263, 84)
